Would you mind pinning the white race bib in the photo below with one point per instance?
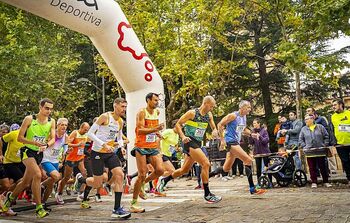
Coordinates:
(55, 152)
(40, 139)
(80, 151)
(199, 133)
(240, 128)
(344, 128)
(151, 137)
(171, 149)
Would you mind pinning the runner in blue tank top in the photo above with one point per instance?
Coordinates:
(235, 123)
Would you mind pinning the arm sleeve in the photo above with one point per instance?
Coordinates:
(297, 128)
(91, 134)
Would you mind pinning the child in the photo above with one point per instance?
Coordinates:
(285, 124)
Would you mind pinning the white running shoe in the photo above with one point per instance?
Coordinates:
(313, 185)
(80, 197)
(98, 198)
(59, 199)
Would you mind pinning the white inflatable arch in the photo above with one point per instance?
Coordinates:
(105, 24)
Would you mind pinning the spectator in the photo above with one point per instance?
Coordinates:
(260, 140)
(315, 136)
(330, 161)
(340, 126)
(293, 135)
(284, 125)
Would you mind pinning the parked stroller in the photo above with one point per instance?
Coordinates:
(282, 168)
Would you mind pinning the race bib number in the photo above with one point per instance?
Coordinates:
(40, 139)
(240, 128)
(344, 128)
(172, 149)
(151, 137)
(111, 136)
(199, 133)
(55, 152)
(80, 151)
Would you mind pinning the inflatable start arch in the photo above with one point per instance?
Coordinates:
(105, 24)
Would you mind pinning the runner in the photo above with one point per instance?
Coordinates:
(12, 165)
(37, 133)
(74, 158)
(196, 122)
(4, 180)
(146, 147)
(103, 133)
(50, 160)
(168, 144)
(236, 126)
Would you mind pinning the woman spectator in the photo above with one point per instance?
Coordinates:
(260, 141)
(315, 136)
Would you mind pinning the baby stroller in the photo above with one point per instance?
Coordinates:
(282, 168)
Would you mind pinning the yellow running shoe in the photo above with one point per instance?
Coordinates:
(135, 208)
(41, 213)
(85, 205)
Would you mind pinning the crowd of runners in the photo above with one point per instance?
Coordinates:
(39, 158)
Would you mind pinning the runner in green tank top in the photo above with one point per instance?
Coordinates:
(196, 122)
(37, 133)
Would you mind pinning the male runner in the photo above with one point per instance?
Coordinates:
(196, 122)
(235, 123)
(75, 157)
(103, 133)
(37, 133)
(146, 147)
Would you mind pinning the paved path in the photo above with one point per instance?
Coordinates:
(184, 204)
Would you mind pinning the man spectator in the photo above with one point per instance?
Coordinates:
(293, 135)
(340, 126)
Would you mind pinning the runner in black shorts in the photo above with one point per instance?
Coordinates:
(37, 133)
(103, 133)
(196, 122)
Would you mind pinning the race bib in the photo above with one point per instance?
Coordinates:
(40, 139)
(240, 128)
(199, 133)
(80, 151)
(151, 137)
(344, 128)
(172, 149)
(111, 136)
(55, 152)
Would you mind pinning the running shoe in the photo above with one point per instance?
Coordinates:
(327, 185)
(120, 213)
(161, 185)
(9, 213)
(7, 203)
(59, 199)
(142, 193)
(80, 197)
(77, 184)
(68, 190)
(41, 213)
(135, 208)
(257, 190)
(85, 205)
(212, 198)
(98, 198)
(313, 185)
(46, 208)
(159, 194)
(198, 187)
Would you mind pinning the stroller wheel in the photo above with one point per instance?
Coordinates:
(264, 182)
(299, 178)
